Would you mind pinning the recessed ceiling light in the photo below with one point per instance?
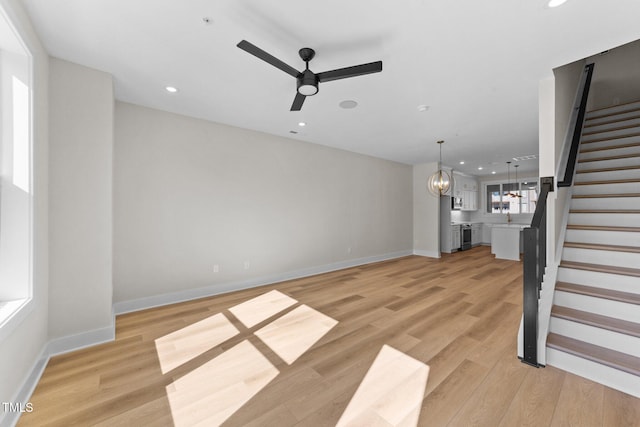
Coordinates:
(479, 168)
(302, 124)
(348, 104)
(556, 3)
(423, 107)
(171, 89)
(462, 162)
(493, 172)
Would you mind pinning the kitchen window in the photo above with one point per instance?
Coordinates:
(513, 198)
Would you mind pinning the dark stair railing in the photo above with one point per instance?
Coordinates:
(535, 236)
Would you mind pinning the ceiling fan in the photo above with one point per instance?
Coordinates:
(307, 80)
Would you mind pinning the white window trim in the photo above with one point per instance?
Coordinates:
(496, 215)
(14, 312)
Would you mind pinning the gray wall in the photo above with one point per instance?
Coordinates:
(616, 76)
(426, 213)
(190, 194)
(81, 143)
(567, 79)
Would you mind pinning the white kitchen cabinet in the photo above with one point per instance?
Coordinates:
(476, 234)
(486, 233)
(455, 237)
(469, 200)
(466, 187)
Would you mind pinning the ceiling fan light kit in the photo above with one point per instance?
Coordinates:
(307, 82)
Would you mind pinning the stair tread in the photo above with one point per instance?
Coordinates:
(601, 247)
(597, 320)
(589, 196)
(609, 181)
(595, 132)
(602, 355)
(605, 211)
(588, 125)
(616, 157)
(625, 271)
(604, 293)
(611, 169)
(610, 138)
(595, 110)
(602, 228)
(610, 147)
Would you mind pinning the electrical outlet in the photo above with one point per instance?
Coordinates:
(247, 265)
(349, 250)
(216, 268)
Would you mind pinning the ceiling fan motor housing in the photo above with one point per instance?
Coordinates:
(307, 83)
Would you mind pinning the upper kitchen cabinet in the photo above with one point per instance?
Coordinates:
(466, 188)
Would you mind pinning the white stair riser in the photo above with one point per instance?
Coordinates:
(624, 151)
(599, 176)
(608, 219)
(593, 256)
(590, 146)
(602, 237)
(597, 336)
(614, 378)
(622, 188)
(617, 124)
(596, 279)
(619, 109)
(615, 163)
(605, 203)
(598, 121)
(604, 307)
(613, 134)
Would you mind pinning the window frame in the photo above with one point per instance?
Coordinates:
(503, 183)
(13, 310)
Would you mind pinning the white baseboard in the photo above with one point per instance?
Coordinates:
(50, 349)
(191, 294)
(23, 395)
(79, 341)
(429, 254)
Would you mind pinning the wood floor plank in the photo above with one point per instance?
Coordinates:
(458, 314)
(492, 398)
(620, 409)
(581, 403)
(534, 403)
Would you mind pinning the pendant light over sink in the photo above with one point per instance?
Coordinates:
(440, 182)
(517, 194)
(511, 193)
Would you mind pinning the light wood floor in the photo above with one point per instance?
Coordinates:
(459, 315)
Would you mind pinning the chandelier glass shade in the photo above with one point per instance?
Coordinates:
(440, 182)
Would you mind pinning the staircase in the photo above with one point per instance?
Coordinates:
(594, 329)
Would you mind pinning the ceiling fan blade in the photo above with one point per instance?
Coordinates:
(356, 70)
(259, 53)
(297, 102)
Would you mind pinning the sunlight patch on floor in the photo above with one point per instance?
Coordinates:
(294, 333)
(183, 345)
(210, 394)
(390, 394)
(260, 308)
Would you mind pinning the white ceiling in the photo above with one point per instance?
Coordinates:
(476, 64)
